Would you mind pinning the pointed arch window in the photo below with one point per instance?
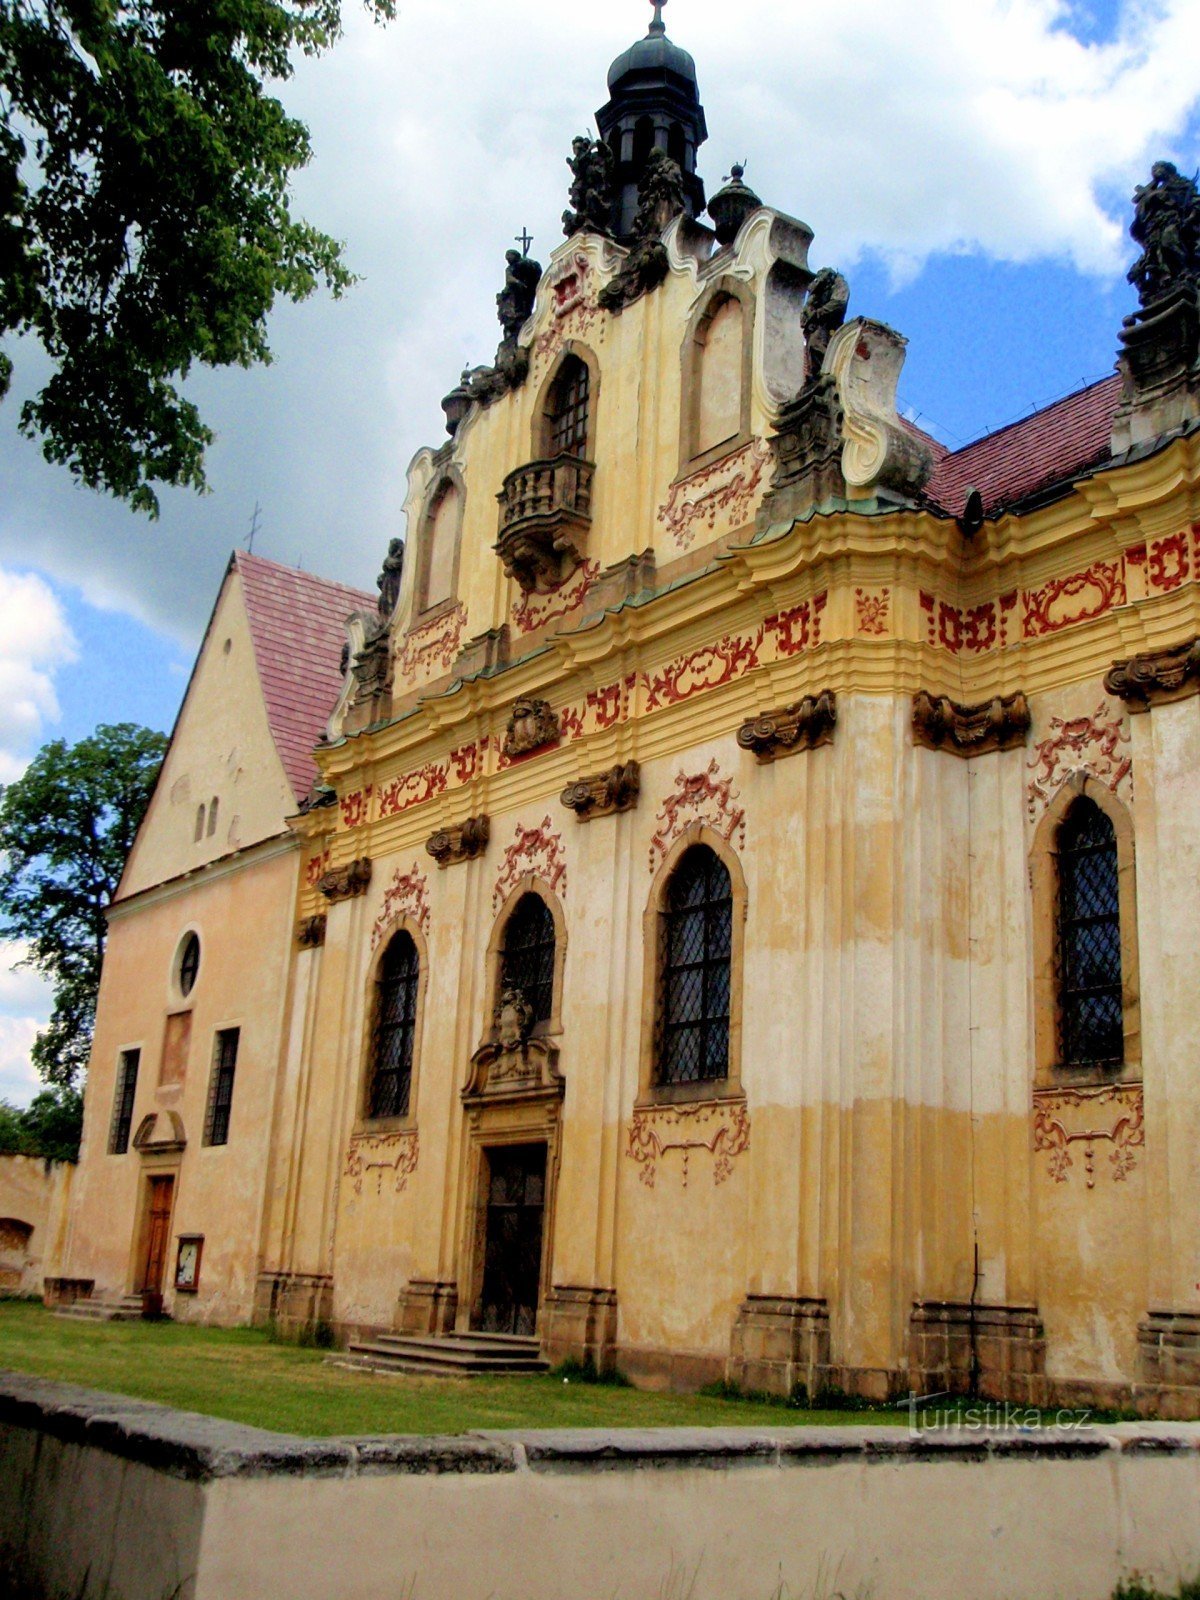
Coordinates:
(695, 968)
(1091, 1005)
(527, 955)
(568, 410)
(390, 1086)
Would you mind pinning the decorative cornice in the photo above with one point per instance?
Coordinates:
(999, 724)
(605, 794)
(466, 841)
(348, 882)
(1157, 676)
(311, 933)
(803, 726)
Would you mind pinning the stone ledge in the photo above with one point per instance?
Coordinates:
(202, 1449)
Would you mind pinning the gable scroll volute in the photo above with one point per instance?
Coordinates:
(1156, 677)
(348, 882)
(605, 794)
(806, 725)
(464, 842)
(999, 724)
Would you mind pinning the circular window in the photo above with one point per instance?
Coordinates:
(189, 964)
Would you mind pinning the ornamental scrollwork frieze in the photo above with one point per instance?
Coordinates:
(1002, 723)
(806, 725)
(606, 794)
(719, 1130)
(1156, 677)
(348, 882)
(464, 842)
(1113, 1114)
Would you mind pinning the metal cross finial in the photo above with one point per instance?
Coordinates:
(525, 239)
(658, 25)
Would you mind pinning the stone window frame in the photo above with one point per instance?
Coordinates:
(531, 883)
(1049, 1069)
(364, 1123)
(650, 1091)
(448, 477)
(540, 443)
(692, 360)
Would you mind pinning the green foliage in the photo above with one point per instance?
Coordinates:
(50, 1127)
(66, 827)
(145, 222)
(1189, 1589)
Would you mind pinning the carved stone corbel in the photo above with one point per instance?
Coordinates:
(532, 726)
(466, 841)
(999, 724)
(1156, 677)
(311, 933)
(605, 794)
(348, 882)
(803, 726)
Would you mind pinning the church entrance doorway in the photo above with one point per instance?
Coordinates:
(516, 1210)
(159, 1203)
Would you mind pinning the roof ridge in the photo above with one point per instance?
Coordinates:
(1031, 416)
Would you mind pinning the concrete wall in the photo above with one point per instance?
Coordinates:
(103, 1497)
(34, 1201)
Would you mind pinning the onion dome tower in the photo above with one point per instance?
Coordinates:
(654, 100)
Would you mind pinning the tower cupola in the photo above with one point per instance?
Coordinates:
(654, 101)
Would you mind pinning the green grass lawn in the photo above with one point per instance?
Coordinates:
(242, 1375)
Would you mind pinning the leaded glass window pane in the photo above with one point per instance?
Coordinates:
(567, 412)
(220, 1102)
(528, 959)
(694, 996)
(395, 1028)
(1089, 939)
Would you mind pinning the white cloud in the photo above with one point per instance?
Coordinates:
(25, 1004)
(899, 127)
(35, 640)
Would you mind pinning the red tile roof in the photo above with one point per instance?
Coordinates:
(297, 622)
(1054, 445)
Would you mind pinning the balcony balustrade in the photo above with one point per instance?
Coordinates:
(545, 515)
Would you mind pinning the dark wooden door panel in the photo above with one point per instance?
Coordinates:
(512, 1269)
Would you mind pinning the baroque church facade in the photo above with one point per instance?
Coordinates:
(738, 919)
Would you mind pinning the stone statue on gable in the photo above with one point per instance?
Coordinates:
(660, 196)
(823, 314)
(1167, 225)
(592, 166)
(389, 580)
(514, 303)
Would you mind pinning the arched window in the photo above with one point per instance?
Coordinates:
(199, 824)
(212, 816)
(527, 955)
(694, 971)
(441, 546)
(1091, 1010)
(567, 410)
(395, 1028)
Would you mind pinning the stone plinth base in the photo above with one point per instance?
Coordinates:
(295, 1302)
(997, 1351)
(426, 1306)
(66, 1291)
(1169, 1347)
(780, 1344)
(580, 1324)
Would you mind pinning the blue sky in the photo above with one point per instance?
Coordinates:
(968, 167)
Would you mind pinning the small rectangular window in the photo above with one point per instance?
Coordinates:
(122, 1120)
(220, 1089)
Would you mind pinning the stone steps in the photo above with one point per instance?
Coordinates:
(127, 1309)
(453, 1355)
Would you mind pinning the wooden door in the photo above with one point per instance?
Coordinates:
(512, 1271)
(158, 1239)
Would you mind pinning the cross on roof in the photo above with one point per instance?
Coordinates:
(525, 239)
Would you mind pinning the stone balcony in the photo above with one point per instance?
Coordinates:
(545, 515)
